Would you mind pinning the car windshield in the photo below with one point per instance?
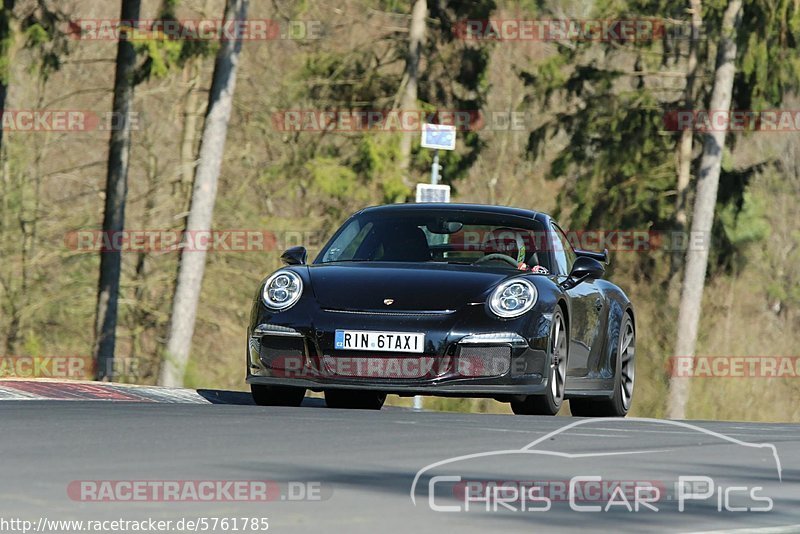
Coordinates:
(455, 237)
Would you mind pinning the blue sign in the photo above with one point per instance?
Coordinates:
(439, 136)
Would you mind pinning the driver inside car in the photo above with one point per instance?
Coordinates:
(511, 244)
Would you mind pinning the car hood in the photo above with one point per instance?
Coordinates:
(419, 287)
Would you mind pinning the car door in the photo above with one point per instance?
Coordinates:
(587, 306)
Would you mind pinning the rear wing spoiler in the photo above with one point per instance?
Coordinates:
(599, 256)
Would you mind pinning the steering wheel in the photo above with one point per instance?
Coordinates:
(496, 257)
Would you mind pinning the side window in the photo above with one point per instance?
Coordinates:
(565, 255)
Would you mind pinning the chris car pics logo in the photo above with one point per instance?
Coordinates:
(590, 482)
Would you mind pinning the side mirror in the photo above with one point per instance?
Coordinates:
(295, 256)
(599, 256)
(585, 268)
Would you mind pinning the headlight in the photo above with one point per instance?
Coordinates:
(282, 290)
(513, 298)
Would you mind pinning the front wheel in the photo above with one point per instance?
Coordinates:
(625, 372)
(354, 400)
(277, 395)
(558, 351)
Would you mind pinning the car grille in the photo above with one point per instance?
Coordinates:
(483, 361)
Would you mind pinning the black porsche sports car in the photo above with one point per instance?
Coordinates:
(445, 299)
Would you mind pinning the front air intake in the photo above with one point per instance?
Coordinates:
(483, 361)
(282, 352)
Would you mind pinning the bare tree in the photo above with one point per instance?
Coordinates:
(10, 307)
(116, 195)
(191, 73)
(704, 205)
(6, 38)
(212, 147)
(416, 36)
(687, 135)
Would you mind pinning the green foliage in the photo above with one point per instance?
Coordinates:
(454, 79)
(43, 30)
(369, 78)
(745, 225)
(738, 227)
(36, 35)
(6, 42)
(769, 63)
(617, 162)
(332, 178)
(163, 52)
(603, 140)
(32, 344)
(614, 155)
(771, 209)
(353, 80)
(376, 161)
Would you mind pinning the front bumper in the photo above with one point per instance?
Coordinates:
(492, 360)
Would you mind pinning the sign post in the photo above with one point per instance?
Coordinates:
(437, 137)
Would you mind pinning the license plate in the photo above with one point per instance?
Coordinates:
(379, 341)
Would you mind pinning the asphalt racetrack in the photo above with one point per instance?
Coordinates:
(394, 470)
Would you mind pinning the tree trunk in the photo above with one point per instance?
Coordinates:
(212, 146)
(6, 38)
(190, 116)
(687, 135)
(416, 36)
(116, 193)
(703, 215)
(141, 317)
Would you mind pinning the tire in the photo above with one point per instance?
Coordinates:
(558, 353)
(354, 400)
(277, 395)
(624, 378)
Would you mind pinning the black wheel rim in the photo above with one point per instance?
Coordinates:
(558, 361)
(627, 368)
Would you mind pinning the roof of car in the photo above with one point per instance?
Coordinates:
(437, 206)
